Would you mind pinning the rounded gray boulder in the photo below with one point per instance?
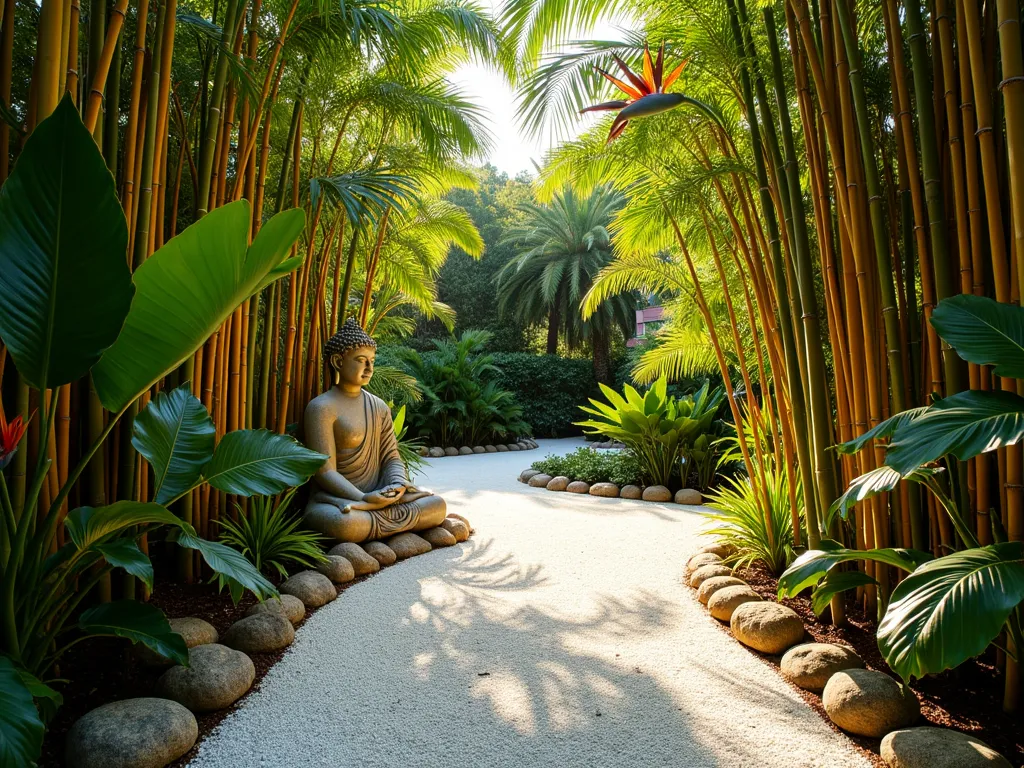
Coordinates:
(869, 703)
(311, 587)
(288, 606)
(381, 552)
(362, 562)
(133, 733)
(216, 677)
(930, 747)
(260, 633)
(338, 569)
(810, 665)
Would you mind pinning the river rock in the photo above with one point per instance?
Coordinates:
(722, 604)
(437, 452)
(701, 558)
(501, 448)
(439, 537)
(930, 747)
(311, 587)
(451, 451)
(526, 474)
(559, 483)
(578, 486)
(721, 549)
(810, 665)
(706, 572)
(479, 449)
(192, 630)
(539, 481)
(456, 528)
(490, 449)
(457, 516)
(465, 451)
(133, 733)
(513, 447)
(689, 496)
(607, 490)
(362, 563)
(408, 545)
(216, 677)
(288, 606)
(338, 569)
(380, 552)
(657, 493)
(869, 703)
(766, 626)
(631, 492)
(715, 583)
(261, 633)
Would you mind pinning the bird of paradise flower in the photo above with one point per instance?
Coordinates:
(647, 94)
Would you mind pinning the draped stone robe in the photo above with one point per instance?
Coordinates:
(374, 464)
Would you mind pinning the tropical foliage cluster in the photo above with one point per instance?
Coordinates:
(660, 430)
(591, 466)
(463, 403)
(854, 168)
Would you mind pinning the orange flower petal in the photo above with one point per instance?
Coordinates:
(675, 74)
(649, 70)
(628, 90)
(638, 83)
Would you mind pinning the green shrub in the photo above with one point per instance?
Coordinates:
(658, 428)
(463, 401)
(548, 387)
(588, 465)
(271, 537)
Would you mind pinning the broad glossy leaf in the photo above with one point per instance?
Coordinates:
(983, 331)
(964, 424)
(87, 525)
(885, 429)
(48, 701)
(186, 290)
(21, 729)
(176, 436)
(138, 622)
(228, 562)
(65, 286)
(250, 462)
(872, 483)
(950, 610)
(811, 567)
(125, 553)
(834, 583)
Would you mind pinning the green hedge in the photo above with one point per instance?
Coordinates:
(550, 389)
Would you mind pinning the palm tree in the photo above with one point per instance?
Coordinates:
(564, 245)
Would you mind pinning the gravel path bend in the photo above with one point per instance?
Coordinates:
(559, 635)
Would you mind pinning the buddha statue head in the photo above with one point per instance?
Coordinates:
(350, 354)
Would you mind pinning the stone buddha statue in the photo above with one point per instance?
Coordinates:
(361, 492)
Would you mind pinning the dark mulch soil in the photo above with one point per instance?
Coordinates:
(105, 669)
(968, 699)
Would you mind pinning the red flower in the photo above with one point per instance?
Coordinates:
(10, 436)
(646, 94)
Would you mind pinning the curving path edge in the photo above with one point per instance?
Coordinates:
(560, 634)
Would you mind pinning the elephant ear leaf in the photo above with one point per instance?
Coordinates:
(65, 286)
(950, 609)
(176, 435)
(21, 728)
(984, 332)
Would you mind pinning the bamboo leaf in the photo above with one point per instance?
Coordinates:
(65, 286)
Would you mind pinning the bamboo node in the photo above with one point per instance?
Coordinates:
(986, 129)
(1010, 80)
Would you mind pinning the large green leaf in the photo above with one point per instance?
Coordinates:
(125, 553)
(186, 290)
(176, 436)
(228, 562)
(833, 584)
(983, 331)
(251, 462)
(811, 567)
(885, 429)
(950, 609)
(87, 525)
(964, 424)
(140, 623)
(65, 286)
(21, 729)
(872, 483)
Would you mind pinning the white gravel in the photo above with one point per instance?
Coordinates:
(559, 635)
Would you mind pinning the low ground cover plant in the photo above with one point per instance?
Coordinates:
(586, 464)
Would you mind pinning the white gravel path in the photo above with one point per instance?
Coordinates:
(559, 635)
